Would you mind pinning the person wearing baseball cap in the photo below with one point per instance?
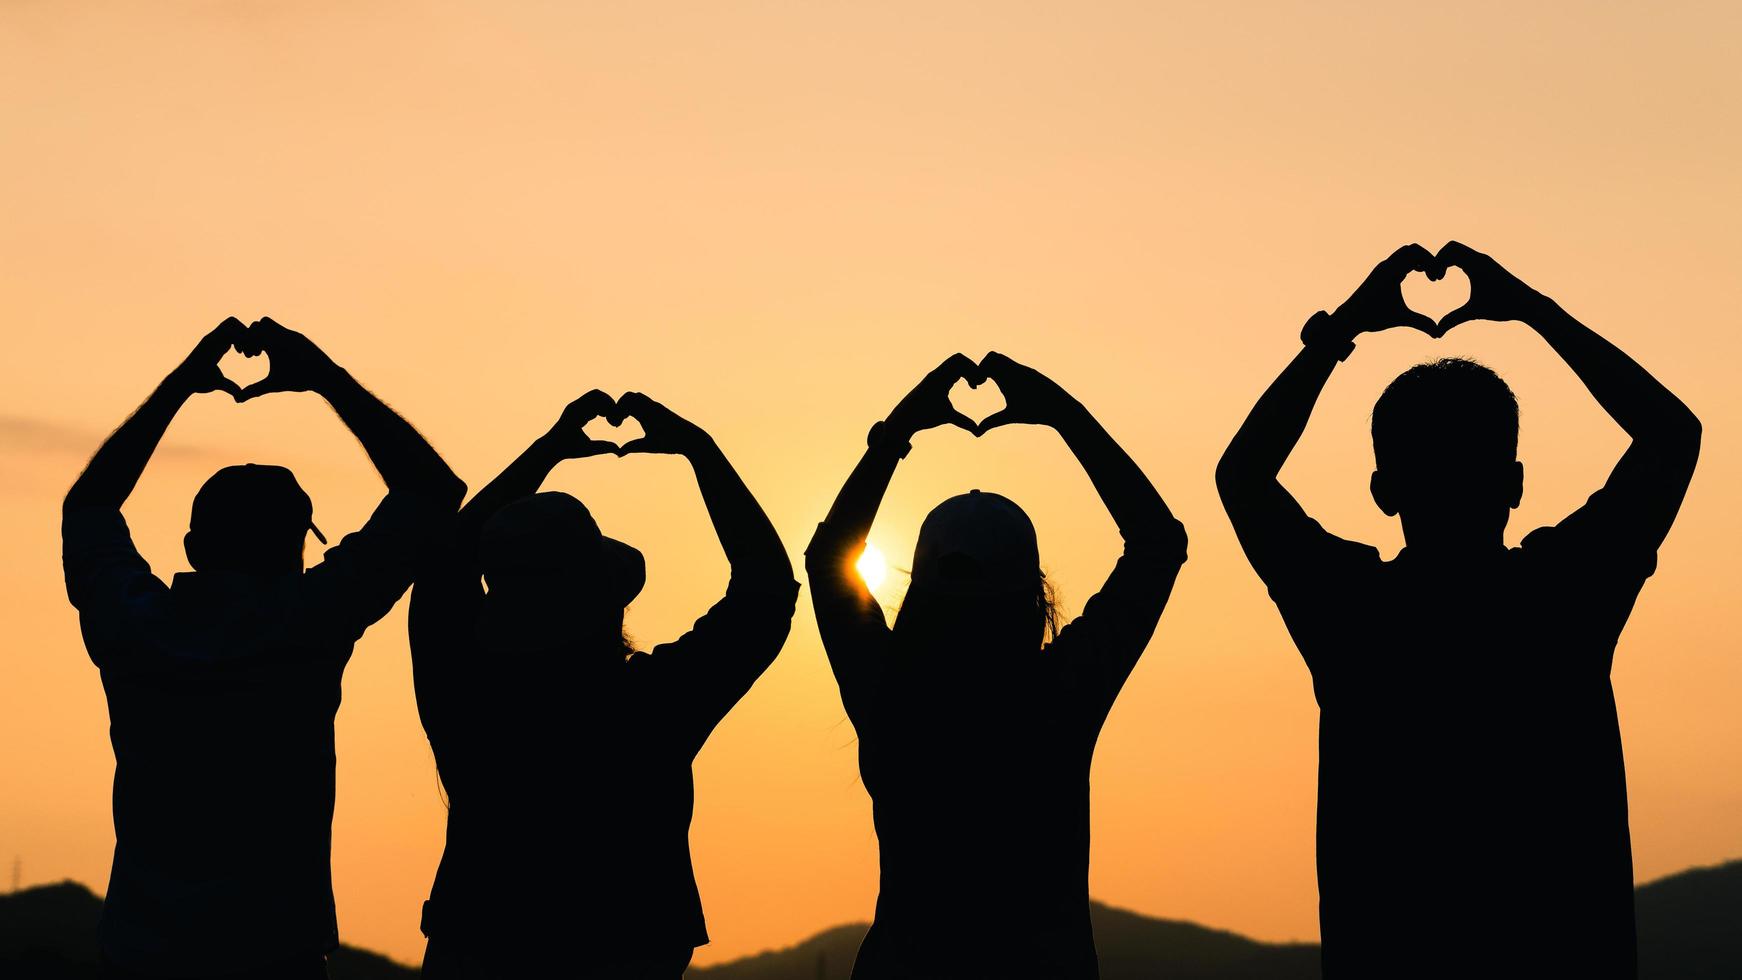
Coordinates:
(564, 751)
(977, 715)
(223, 684)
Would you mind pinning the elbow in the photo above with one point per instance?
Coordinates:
(449, 491)
(1230, 477)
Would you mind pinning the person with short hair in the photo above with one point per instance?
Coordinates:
(566, 753)
(977, 716)
(223, 685)
(1472, 813)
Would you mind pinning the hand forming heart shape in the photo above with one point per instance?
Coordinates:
(1029, 396)
(1378, 303)
(662, 430)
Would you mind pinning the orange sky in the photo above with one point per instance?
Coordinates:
(776, 216)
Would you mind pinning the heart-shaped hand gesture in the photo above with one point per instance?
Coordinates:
(568, 436)
(1377, 304)
(1030, 398)
(198, 372)
(1495, 294)
(665, 430)
(297, 364)
(928, 406)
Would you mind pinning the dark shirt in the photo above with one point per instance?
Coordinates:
(981, 805)
(222, 689)
(1472, 794)
(569, 783)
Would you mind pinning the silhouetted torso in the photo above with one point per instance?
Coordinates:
(222, 689)
(980, 785)
(1472, 796)
(569, 786)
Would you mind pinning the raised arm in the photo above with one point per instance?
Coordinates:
(1105, 642)
(752, 547)
(448, 596)
(710, 667)
(848, 616)
(1033, 398)
(1269, 522)
(111, 475)
(1649, 482)
(406, 462)
(522, 477)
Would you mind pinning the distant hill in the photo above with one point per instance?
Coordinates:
(1690, 928)
(1129, 945)
(50, 933)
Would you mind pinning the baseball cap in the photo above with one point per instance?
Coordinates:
(551, 533)
(976, 543)
(254, 496)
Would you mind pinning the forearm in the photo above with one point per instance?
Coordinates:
(114, 470)
(1643, 407)
(404, 459)
(1132, 500)
(855, 507)
(751, 544)
(1275, 425)
(520, 478)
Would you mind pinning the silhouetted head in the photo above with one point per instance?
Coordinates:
(250, 518)
(554, 580)
(977, 585)
(1445, 447)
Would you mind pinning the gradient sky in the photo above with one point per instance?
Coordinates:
(775, 217)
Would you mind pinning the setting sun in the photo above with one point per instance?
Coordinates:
(872, 567)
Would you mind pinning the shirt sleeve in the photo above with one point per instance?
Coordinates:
(707, 670)
(1596, 559)
(849, 620)
(1100, 648)
(362, 576)
(107, 580)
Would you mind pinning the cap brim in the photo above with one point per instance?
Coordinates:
(627, 567)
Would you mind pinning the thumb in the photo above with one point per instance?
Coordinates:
(1462, 314)
(1422, 322)
(993, 421)
(228, 387)
(264, 386)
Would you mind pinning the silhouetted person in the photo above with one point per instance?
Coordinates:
(1472, 800)
(564, 752)
(222, 685)
(975, 734)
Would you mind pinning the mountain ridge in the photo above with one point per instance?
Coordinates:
(1690, 928)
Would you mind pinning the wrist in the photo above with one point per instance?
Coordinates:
(331, 380)
(179, 384)
(890, 435)
(1329, 333)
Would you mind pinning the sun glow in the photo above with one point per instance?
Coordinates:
(872, 568)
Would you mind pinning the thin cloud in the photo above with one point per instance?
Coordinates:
(26, 435)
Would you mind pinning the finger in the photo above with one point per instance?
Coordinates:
(1462, 314)
(955, 366)
(1410, 258)
(265, 386)
(623, 407)
(997, 366)
(993, 421)
(645, 444)
(1457, 253)
(1421, 321)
